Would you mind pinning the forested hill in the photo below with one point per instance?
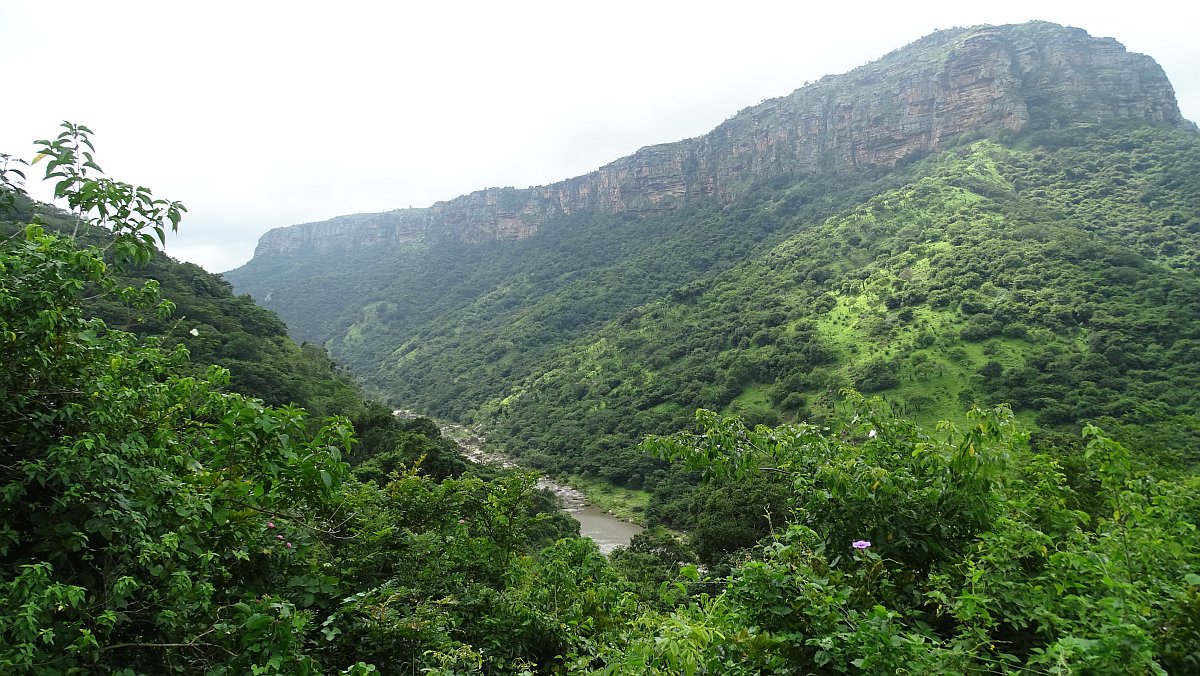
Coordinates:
(1058, 275)
(1044, 255)
(214, 325)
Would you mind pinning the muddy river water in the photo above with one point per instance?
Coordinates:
(606, 530)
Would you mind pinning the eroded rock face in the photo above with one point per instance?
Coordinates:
(971, 81)
(355, 231)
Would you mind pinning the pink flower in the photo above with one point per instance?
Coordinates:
(860, 544)
(462, 520)
(278, 537)
(289, 545)
(270, 524)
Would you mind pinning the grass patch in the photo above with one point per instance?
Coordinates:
(624, 503)
(754, 396)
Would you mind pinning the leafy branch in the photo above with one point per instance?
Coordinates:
(130, 212)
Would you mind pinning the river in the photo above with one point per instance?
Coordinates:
(606, 530)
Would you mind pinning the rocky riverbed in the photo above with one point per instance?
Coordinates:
(606, 530)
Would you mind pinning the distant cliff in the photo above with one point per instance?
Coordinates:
(964, 81)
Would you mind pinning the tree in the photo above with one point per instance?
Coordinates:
(149, 520)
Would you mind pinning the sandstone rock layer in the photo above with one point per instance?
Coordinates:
(921, 98)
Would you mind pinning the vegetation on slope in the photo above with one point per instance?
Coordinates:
(490, 315)
(998, 274)
(1055, 272)
(214, 325)
(153, 522)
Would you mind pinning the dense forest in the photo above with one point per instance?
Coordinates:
(1053, 271)
(164, 514)
(1057, 275)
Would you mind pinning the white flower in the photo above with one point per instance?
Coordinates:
(871, 434)
(194, 332)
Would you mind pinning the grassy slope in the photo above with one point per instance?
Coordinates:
(1058, 276)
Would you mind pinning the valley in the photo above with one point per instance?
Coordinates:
(789, 254)
(896, 373)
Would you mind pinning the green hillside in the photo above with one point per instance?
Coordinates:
(989, 215)
(214, 325)
(182, 489)
(495, 313)
(1054, 271)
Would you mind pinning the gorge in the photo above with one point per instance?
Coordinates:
(900, 370)
(850, 234)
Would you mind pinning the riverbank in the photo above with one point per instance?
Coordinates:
(608, 514)
(624, 503)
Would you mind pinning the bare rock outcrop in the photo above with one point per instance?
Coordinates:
(921, 98)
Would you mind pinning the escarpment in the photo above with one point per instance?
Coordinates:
(921, 98)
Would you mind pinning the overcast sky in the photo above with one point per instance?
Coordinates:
(263, 114)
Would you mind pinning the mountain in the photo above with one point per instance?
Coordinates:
(989, 214)
(919, 99)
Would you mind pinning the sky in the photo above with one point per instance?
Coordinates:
(261, 114)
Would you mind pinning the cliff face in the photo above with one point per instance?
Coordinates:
(980, 80)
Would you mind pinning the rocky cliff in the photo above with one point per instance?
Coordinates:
(967, 81)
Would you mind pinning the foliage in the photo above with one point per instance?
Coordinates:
(440, 567)
(659, 563)
(154, 522)
(708, 637)
(957, 551)
(140, 505)
(214, 325)
(125, 210)
(388, 444)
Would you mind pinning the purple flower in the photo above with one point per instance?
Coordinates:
(860, 544)
(289, 545)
